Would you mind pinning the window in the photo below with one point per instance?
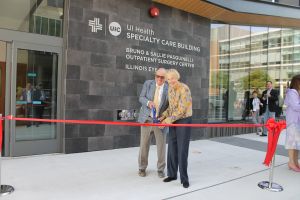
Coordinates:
(243, 61)
(33, 16)
(46, 26)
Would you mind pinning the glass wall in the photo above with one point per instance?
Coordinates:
(219, 68)
(35, 16)
(239, 68)
(242, 59)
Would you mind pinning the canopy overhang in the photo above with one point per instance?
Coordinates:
(246, 12)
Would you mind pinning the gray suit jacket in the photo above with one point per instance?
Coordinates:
(146, 95)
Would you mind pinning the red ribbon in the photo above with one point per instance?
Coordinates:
(274, 130)
(10, 117)
(273, 127)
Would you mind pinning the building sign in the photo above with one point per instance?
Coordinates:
(162, 52)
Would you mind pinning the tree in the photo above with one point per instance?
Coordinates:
(257, 78)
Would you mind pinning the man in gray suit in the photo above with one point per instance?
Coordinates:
(154, 95)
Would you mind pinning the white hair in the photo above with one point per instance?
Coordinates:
(173, 73)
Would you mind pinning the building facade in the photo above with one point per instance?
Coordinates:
(88, 60)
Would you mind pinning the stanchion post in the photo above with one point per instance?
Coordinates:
(4, 189)
(271, 172)
(270, 185)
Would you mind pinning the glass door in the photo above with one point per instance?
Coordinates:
(2, 81)
(35, 95)
(2, 75)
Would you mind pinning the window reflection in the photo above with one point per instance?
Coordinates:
(238, 72)
(219, 65)
(34, 16)
(243, 58)
(36, 93)
(259, 60)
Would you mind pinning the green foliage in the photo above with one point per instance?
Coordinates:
(257, 79)
(219, 79)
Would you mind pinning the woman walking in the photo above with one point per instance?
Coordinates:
(292, 101)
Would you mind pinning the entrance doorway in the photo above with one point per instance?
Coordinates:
(35, 95)
(31, 76)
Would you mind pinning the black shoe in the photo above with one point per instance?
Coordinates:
(186, 184)
(169, 179)
(263, 135)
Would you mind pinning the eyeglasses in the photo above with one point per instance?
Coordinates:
(161, 77)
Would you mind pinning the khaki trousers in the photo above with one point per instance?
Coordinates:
(160, 139)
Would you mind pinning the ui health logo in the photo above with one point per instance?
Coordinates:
(114, 27)
(95, 24)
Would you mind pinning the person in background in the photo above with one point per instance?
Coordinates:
(153, 95)
(279, 107)
(269, 98)
(27, 96)
(247, 105)
(230, 97)
(254, 109)
(178, 112)
(258, 92)
(292, 143)
(40, 97)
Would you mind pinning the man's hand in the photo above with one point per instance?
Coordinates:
(151, 104)
(265, 96)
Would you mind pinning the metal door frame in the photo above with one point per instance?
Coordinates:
(21, 40)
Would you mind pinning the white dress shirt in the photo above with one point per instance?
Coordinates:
(255, 104)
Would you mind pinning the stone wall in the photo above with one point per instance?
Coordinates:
(107, 68)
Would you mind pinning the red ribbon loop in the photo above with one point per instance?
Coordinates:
(274, 130)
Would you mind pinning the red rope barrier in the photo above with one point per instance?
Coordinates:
(273, 127)
(10, 117)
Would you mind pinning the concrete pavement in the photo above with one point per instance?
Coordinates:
(220, 168)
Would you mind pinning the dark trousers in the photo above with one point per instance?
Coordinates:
(29, 113)
(38, 112)
(178, 149)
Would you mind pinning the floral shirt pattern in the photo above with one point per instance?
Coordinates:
(180, 103)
